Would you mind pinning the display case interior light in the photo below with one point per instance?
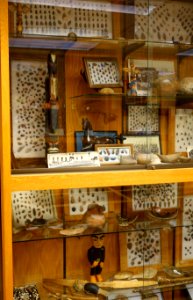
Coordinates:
(118, 8)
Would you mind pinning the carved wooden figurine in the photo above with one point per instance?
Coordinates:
(96, 257)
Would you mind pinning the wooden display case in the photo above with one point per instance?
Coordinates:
(45, 102)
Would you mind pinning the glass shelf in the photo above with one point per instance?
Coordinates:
(147, 166)
(89, 43)
(99, 96)
(178, 100)
(139, 222)
(128, 100)
(67, 43)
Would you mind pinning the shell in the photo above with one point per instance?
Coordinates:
(144, 158)
(106, 91)
(73, 230)
(127, 160)
(184, 159)
(123, 275)
(147, 274)
(165, 214)
(174, 272)
(169, 158)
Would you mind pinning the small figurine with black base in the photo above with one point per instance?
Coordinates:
(96, 257)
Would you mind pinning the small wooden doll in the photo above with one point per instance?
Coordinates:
(96, 257)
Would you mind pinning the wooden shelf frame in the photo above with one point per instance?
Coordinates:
(5, 157)
(99, 178)
(18, 182)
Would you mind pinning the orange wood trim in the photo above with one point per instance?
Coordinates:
(6, 215)
(101, 178)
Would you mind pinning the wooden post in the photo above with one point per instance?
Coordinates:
(5, 156)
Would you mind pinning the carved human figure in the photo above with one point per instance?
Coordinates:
(96, 257)
(53, 81)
